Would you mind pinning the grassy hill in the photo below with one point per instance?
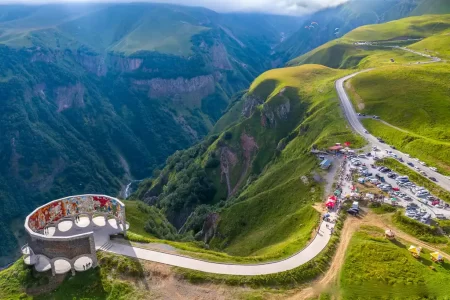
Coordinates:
(333, 23)
(249, 174)
(416, 100)
(377, 268)
(431, 7)
(344, 53)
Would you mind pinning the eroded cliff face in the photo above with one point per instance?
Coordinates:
(69, 96)
(270, 114)
(219, 57)
(95, 64)
(198, 87)
(250, 104)
(125, 64)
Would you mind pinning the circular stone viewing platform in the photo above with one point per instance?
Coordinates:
(64, 234)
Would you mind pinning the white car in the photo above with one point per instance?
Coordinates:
(433, 169)
(407, 155)
(422, 163)
(416, 159)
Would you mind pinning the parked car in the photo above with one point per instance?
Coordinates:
(393, 147)
(433, 169)
(365, 131)
(400, 159)
(422, 163)
(434, 179)
(410, 164)
(408, 198)
(396, 189)
(385, 170)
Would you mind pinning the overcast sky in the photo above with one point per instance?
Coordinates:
(296, 7)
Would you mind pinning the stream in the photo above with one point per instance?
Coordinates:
(130, 188)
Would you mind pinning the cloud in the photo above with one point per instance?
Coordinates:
(284, 7)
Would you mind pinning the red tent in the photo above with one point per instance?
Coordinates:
(330, 204)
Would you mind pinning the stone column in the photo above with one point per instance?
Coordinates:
(52, 264)
(93, 251)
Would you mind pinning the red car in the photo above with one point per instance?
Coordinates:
(396, 189)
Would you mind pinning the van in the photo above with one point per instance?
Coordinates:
(355, 205)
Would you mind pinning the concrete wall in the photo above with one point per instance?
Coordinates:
(68, 248)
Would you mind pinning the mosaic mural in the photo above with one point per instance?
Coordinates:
(70, 206)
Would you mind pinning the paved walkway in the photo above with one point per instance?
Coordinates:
(312, 250)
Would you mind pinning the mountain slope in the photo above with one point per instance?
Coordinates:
(333, 23)
(96, 95)
(352, 51)
(245, 182)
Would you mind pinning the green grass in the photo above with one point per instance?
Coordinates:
(382, 208)
(415, 228)
(412, 27)
(115, 278)
(288, 279)
(343, 53)
(416, 178)
(137, 218)
(436, 45)
(376, 268)
(413, 98)
(346, 55)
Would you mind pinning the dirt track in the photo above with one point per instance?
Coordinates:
(328, 282)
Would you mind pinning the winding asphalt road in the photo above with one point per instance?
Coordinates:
(312, 250)
(355, 123)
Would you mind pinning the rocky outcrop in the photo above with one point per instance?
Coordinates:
(283, 110)
(219, 56)
(125, 64)
(39, 90)
(43, 56)
(228, 160)
(188, 129)
(210, 227)
(269, 114)
(92, 63)
(248, 146)
(198, 87)
(250, 104)
(69, 96)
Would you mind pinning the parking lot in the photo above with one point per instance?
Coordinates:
(419, 203)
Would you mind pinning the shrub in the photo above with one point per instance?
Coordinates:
(382, 208)
(228, 135)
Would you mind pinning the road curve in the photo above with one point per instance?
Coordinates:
(354, 121)
(312, 250)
